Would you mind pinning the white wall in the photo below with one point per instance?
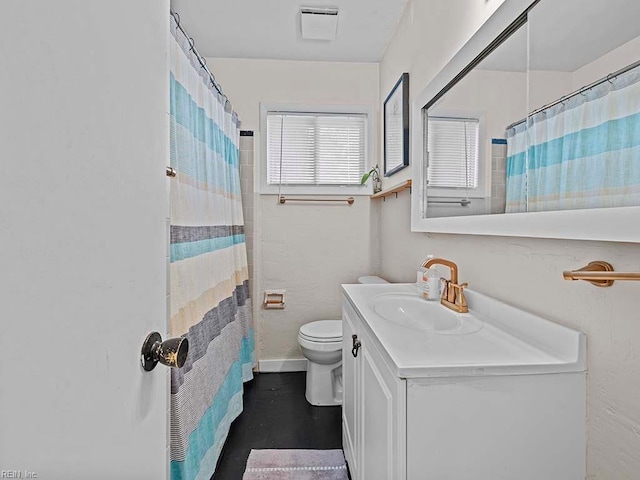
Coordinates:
(546, 87)
(428, 36)
(500, 96)
(249, 82)
(307, 249)
(615, 60)
(523, 271)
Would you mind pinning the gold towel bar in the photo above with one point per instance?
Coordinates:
(600, 274)
(349, 200)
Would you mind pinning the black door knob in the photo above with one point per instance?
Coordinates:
(172, 352)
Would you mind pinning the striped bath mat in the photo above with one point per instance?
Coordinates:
(296, 465)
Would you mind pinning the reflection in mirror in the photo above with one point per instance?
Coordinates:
(466, 163)
(583, 133)
(572, 136)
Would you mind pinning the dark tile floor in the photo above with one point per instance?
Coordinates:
(276, 415)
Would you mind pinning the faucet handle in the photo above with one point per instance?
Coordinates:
(449, 291)
(460, 298)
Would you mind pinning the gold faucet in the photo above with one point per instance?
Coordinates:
(452, 293)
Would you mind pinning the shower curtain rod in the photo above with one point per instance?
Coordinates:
(200, 58)
(608, 78)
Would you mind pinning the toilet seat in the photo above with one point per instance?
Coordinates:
(322, 331)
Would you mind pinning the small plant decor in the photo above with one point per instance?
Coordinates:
(374, 173)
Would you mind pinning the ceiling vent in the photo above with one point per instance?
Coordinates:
(319, 23)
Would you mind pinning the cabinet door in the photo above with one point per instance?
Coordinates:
(377, 422)
(351, 394)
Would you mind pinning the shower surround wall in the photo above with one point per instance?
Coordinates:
(524, 271)
(307, 249)
(498, 175)
(249, 202)
(248, 196)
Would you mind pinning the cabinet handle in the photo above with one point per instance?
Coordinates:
(356, 345)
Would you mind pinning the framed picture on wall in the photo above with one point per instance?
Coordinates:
(396, 127)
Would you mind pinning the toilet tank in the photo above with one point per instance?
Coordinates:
(371, 279)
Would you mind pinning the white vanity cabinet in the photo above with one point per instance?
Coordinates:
(458, 419)
(374, 419)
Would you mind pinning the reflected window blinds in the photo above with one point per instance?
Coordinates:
(453, 152)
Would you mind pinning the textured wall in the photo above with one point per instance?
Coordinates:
(307, 249)
(526, 272)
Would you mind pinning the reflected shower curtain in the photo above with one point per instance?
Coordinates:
(516, 186)
(210, 302)
(583, 152)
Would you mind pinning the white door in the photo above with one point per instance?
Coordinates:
(83, 241)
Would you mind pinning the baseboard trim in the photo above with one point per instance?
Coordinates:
(270, 366)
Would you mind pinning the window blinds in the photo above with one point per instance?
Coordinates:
(315, 148)
(453, 152)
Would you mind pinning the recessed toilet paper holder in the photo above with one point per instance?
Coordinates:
(172, 352)
(274, 299)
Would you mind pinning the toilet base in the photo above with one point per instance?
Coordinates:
(324, 384)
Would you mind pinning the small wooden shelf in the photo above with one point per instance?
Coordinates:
(392, 190)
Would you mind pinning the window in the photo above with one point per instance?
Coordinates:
(453, 145)
(311, 149)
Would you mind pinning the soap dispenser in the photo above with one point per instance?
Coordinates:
(420, 276)
(420, 280)
(430, 282)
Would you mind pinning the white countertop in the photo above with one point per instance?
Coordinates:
(511, 341)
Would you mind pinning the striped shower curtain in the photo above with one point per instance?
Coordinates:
(516, 187)
(210, 302)
(581, 153)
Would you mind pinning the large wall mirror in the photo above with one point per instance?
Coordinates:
(465, 131)
(545, 118)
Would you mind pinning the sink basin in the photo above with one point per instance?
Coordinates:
(413, 312)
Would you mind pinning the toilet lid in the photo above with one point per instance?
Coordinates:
(371, 279)
(322, 331)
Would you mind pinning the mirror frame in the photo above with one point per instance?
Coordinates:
(621, 224)
(403, 85)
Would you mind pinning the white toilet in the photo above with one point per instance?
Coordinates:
(321, 344)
